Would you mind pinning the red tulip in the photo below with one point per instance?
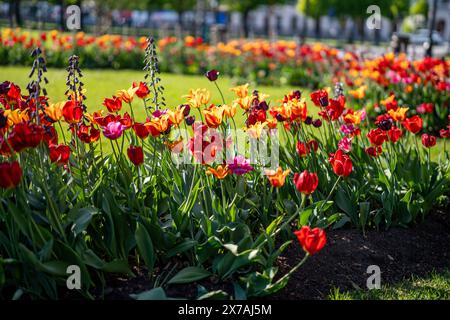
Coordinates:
(136, 155)
(313, 145)
(320, 98)
(444, 133)
(72, 112)
(113, 105)
(88, 134)
(59, 153)
(377, 136)
(143, 90)
(311, 240)
(374, 151)
(141, 130)
(428, 140)
(394, 134)
(413, 124)
(341, 163)
(25, 135)
(10, 174)
(126, 120)
(302, 149)
(306, 182)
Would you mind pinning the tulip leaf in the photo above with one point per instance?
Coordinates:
(153, 294)
(189, 274)
(145, 246)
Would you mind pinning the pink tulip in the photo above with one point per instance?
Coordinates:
(113, 130)
(345, 144)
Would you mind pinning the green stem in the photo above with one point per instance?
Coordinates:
(329, 194)
(220, 91)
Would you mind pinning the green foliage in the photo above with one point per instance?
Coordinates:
(419, 7)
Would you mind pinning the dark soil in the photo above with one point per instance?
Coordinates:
(399, 252)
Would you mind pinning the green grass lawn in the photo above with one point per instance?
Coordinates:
(433, 287)
(101, 84)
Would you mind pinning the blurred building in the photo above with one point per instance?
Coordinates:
(442, 17)
(286, 20)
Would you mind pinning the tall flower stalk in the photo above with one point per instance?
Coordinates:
(35, 86)
(152, 75)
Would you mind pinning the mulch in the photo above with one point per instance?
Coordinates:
(399, 252)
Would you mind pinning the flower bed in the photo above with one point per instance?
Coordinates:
(182, 194)
(422, 85)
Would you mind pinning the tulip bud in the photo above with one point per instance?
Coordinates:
(189, 120)
(317, 123)
(212, 75)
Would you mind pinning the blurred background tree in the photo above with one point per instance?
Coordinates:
(244, 7)
(314, 9)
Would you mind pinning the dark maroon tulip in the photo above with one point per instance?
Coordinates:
(212, 75)
(189, 120)
(317, 123)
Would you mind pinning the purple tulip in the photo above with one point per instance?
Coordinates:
(240, 165)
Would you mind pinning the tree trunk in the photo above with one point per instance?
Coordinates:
(304, 32)
(351, 33)
(17, 13)
(376, 37)
(11, 13)
(62, 24)
(245, 23)
(180, 18)
(272, 24)
(318, 28)
(362, 33)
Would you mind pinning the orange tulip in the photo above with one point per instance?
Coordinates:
(354, 117)
(54, 111)
(16, 116)
(244, 102)
(220, 173)
(213, 116)
(158, 125)
(272, 123)
(94, 116)
(398, 114)
(229, 111)
(198, 97)
(256, 129)
(241, 91)
(175, 146)
(176, 116)
(358, 93)
(127, 95)
(277, 178)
